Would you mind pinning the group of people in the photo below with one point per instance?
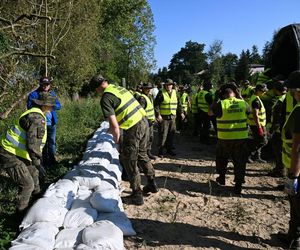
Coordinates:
(29, 146)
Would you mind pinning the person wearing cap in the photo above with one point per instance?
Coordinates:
(232, 131)
(124, 112)
(291, 160)
(166, 105)
(247, 90)
(21, 149)
(51, 117)
(257, 123)
(205, 99)
(195, 114)
(275, 127)
(186, 105)
(146, 101)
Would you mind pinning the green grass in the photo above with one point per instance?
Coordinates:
(77, 122)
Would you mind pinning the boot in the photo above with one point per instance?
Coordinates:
(249, 160)
(221, 180)
(237, 188)
(151, 187)
(137, 198)
(260, 160)
(151, 156)
(161, 153)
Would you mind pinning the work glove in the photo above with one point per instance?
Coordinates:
(291, 185)
(260, 132)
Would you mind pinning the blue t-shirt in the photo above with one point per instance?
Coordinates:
(49, 118)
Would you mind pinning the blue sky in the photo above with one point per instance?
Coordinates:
(238, 23)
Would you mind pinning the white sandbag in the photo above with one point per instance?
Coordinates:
(81, 203)
(88, 180)
(25, 247)
(120, 220)
(116, 169)
(106, 201)
(68, 238)
(83, 192)
(40, 234)
(64, 189)
(45, 210)
(96, 161)
(103, 235)
(80, 217)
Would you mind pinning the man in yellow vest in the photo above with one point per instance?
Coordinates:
(124, 112)
(247, 90)
(195, 112)
(257, 123)
(21, 149)
(291, 160)
(186, 105)
(232, 132)
(166, 104)
(146, 101)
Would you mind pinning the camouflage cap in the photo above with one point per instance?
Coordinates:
(45, 99)
(147, 85)
(169, 81)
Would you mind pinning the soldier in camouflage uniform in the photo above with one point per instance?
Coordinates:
(21, 149)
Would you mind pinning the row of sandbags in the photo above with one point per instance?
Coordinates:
(83, 210)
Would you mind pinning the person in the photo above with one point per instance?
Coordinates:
(291, 160)
(186, 104)
(195, 113)
(257, 123)
(146, 101)
(50, 147)
(247, 90)
(232, 132)
(166, 104)
(124, 112)
(205, 100)
(276, 124)
(21, 149)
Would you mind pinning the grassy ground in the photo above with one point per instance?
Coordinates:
(77, 122)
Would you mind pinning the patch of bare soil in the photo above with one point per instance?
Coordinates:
(191, 211)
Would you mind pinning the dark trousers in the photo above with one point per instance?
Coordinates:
(23, 173)
(166, 132)
(49, 149)
(134, 153)
(294, 224)
(258, 141)
(196, 124)
(237, 151)
(277, 150)
(204, 126)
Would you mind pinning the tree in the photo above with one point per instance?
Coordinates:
(255, 58)
(230, 62)
(242, 70)
(214, 56)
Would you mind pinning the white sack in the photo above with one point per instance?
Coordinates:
(80, 217)
(45, 210)
(40, 234)
(120, 220)
(103, 235)
(106, 201)
(68, 238)
(25, 247)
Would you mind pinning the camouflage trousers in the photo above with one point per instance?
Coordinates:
(166, 133)
(150, 140)
(258, 142)
(235, 150)
(23, 173)
(134, 155)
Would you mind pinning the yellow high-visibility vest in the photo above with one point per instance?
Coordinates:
(15, 139)
(194, 104)
(184, 101)
(261, 113)
(202, 104)
(149, 108)
(247, 92)
(169, 104)
(233, 123)
(129, 112)
(287, 143)
(289, 104)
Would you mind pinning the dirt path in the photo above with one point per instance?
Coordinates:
(192, 212)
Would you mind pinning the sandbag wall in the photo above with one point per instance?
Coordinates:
(83, 210)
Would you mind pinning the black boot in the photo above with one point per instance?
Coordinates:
(151, 156)
(221, 180)
(151, 187)
(136, 198)
(161, 153)
(237, 188)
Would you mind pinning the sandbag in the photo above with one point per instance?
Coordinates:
(68, 238)
(80, 217)
(120, 220)
(45, 210)
(103, 235)
(106, 201)
(40, 234)
(25, 247)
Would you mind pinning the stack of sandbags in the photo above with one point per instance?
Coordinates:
(84, 209)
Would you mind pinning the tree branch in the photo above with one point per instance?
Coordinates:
(24, 53)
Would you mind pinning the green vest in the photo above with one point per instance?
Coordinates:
(280, 99)
(149, 108)
(202, 104)
(233, 123)
(169, 104)
(15, 139)
(194, 104)
(129, 112)
(261, 113)
(246, 93)
(184, 101)
(287, 143)
(289, 104)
